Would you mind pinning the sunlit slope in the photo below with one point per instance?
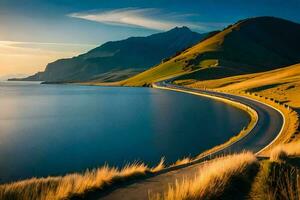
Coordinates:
(281, 84)
(252, 45)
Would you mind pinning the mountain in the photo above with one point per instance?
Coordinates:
(250, 45)
(119, 59)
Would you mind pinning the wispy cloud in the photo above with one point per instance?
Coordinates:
(149, 18)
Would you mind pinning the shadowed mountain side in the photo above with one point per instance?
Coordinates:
(131, 55)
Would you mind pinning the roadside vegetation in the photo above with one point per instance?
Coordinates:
(284, 151)
(242, 176)
(279, 177)
(276, 181)
(222, 178)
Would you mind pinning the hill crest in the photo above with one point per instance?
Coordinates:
(248, 46)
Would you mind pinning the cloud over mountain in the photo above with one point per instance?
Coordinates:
(149, 18)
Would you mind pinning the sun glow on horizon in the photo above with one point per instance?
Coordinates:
(30, 57)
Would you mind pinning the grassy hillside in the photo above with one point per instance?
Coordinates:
(252, 45)
(281, 84)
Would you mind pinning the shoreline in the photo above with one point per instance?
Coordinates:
(252, 113)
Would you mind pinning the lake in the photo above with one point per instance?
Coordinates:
(57, 129)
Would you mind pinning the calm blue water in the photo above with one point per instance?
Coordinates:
(57, 129)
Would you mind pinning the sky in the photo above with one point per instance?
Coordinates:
(36, 32)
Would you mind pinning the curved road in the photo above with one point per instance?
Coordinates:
(269, 125)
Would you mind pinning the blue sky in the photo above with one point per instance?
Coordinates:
(36, 32)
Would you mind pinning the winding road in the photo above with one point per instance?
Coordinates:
(268, 127)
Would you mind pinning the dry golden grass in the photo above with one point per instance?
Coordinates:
(161, 165)
(279, 178)
(276, 181)
(213, 179)
(281, 84)
(278, 154)
(77, 184)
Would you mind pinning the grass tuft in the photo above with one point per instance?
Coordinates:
(161, 165)
(278, 154)
(182, 161)
(283, 151)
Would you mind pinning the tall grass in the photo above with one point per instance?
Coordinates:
(213, 179)
(276, 181)
(77, 184)
(279, 178)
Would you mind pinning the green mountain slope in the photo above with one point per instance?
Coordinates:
(119, 59)
(251, 45)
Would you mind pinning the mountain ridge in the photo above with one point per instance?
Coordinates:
(119, 58)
